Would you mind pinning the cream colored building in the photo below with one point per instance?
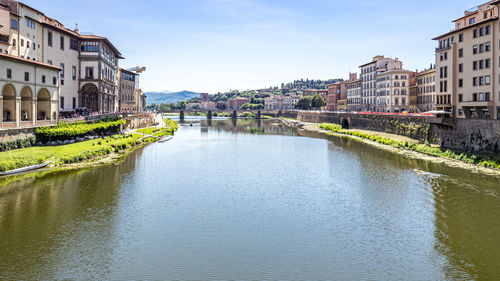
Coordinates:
(426, 90)
(126, 91)
(29, 92)
(354, 100)
(467, 79)
(393, 91)
(88, 63)
(368, 77)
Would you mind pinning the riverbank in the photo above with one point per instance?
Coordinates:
(403, 146)
(89, 153)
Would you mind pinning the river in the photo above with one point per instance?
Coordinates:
(250, 201)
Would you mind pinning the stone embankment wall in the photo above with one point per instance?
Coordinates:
(13, 134)
(137, 121)
(463, 134)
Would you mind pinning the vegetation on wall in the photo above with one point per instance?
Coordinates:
(64, 131)
(485, 161)
(18, 143)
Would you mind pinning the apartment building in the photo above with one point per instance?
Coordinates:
(280, 102)
(354, 100)
(338, 91)
(426, 90)
(368, 77)
(467, 65)
(393, 91)
(88, 63)
(126, 90)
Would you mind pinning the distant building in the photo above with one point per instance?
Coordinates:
(393, 91)
(281, 102)
(204, 97)
(426, 90)
(338, 91)
(369, 73)
(237, 102)
(126, 91)
(313, 92)
(354, 101)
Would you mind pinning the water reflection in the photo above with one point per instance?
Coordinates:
(242, 199)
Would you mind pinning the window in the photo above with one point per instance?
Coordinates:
(487, 80)
(34, 46)
(460, 83)
(43, 79)
(460, 37)
(460, 53)
(474, 49)
(73, 44)
(488, 30)
(474, 33)
(474, 81)
(26, 76)
(461, 67)
(49, 39)
(49, 62)
(481, 48)
(487, 46)
(460, 97)
(62, 71)
(9, 73)
(13, 24)
(487, 63)
(54, 80)
(481, 64)
(481, 80)
(89, 73)
(481, 31)
(22, 42)
(62, 43)
(487, 96)
(13, 42)
(62, 103)
(30, 23)
(474, 97)
(472, 20)
(73, 73)
(74, 103)
(403, 101)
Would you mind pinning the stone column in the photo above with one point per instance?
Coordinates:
(33, 113)
(18, 112)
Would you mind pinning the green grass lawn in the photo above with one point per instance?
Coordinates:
(66, 154)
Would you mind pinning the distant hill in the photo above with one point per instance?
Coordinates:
(169, 97)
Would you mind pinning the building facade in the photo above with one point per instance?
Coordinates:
(126, 90)
(354, 100)
(29, 92)
(368, 77)
(89, 64)
(281, 102)
(467, 83)
(237, 102)
(393, 91)
(426, 90)
(338, 91)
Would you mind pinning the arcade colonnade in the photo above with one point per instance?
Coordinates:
(25, 105)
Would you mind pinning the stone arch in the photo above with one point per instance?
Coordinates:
(43, 105)
(26, 104)
(9, 103)
(345, 123)
(90, 97)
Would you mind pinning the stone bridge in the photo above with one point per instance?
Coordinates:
(234, 113)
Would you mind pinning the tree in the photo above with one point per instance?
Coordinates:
(182, 105)
(222, 105)
(303, 103)
(318, 102)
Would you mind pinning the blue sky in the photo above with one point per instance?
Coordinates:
(217, 45)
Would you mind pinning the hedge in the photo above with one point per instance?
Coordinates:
(16, 144)
(63, 131)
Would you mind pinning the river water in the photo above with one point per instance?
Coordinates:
(251, 201)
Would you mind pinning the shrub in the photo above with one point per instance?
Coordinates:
(63, 131)
(16, 144)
